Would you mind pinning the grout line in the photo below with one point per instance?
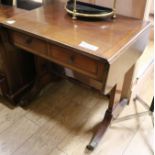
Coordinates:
(137, 130)
(26, 139)
(125, 149)
(12, 123)
(61, 151)
(33, 121)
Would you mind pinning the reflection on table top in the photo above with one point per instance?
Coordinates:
(52, 23)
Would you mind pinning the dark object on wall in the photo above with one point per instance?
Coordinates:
(23, 4)
(7, 2)
(28, 4)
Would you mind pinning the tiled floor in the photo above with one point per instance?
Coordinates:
(60, 122)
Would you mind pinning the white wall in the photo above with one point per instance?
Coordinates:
(152, 7)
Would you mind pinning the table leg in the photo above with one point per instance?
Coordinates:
(119, 94)
(105, 122)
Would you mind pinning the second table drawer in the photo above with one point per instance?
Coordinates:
(72, 59)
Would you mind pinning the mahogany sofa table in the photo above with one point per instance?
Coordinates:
(100, 54)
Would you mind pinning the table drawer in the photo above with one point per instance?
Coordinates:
(74, 60)
(29, 43)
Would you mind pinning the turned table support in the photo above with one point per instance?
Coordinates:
(119, 96)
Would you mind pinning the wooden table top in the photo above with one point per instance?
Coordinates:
(52, 23)
(8, 11)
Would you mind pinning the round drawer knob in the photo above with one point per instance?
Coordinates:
(28, 41)
(71, 59)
